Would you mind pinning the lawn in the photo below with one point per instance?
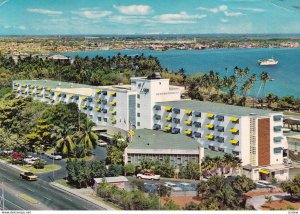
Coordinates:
(47, 168)
(64, 183)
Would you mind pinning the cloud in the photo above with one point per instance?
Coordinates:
(252, 9)
(224, 20)
(178, 18)
(43, 11)
(4, 2)
(230, 14)
(127, 19)
(92, 13)
(218, 9)
(134, 9)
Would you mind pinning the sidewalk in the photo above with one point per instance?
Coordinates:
(12, 166)
(81, 194)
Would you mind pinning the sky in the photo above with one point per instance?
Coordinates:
(60, 17)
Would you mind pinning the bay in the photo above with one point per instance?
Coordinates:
(286, 73)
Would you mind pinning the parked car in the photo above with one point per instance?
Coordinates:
(54, 156)
(17, 156)
(148, 176)
(29, 176)
(7, 152)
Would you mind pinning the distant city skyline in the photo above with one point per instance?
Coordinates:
(54, 17)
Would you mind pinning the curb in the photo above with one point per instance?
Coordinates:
(13, 166)
(86, 198)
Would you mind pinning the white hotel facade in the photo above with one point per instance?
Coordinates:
(253, 135)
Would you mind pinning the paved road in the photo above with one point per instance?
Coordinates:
(48, 197)
(258, 201)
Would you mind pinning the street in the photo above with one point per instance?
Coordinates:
(48, 197)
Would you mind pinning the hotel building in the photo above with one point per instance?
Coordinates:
(151, 106)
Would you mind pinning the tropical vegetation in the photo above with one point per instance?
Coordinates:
(292, 187)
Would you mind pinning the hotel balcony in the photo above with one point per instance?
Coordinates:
(112, 103)
(39, 87)
(113, 93)
(58, 94)
(188, 112)
(197, 124)
(39, 95)
(98, 109)
(234, 120)
(210, 126)
(210, 137)
(157, 117)
(220, 128)
(220, 117)
(175, 131)
(168, 119)
(210, 116)
(83, 98)
(277, 117)
(157, 107)
(25, 92)
(188, 122)
(16, 84)
(84, 107)
(233, 141)
(197, 114)
(197, 134)
(113, 121)
(113, 112)
(176, 120)
(234, 131)
(188, 132)
(48, 89)
(220, 139)
(23, 86)
(98, 91)
(277, 128)
(31, 93)
(168, 108)
(176, 111)
(16, 91)
(157, 127)
(31, 87)
(48, 96)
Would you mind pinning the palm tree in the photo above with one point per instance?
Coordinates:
(86, 137)
(271, 98)
(264, 77)
(65, 145)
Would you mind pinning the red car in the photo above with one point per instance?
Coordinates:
(17, 156)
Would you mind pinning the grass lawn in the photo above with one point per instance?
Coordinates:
(103, 201)
(64, 183)
(291, 113)
(47, 168)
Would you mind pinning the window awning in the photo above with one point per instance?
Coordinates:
(233, 141)
(83, 98)
(113, 93)
(113, 103)
(17, 84)
(263, 171)
(112, 112)
(209, 136)
(113, 120)
(234, 130)
(24, 85)
(48, 96)
(48, 89)
(278, 139)
(234, 119)
(84, 106)
(188, 122)
(39, 95)
(188, 112)
(168, 118)
(188, 132)
(98, 91)
(40, 87)
(98, 109)
(31, 86)
(210, 115)
(168, 128)
(210, 126)
(168, 108)
(98, 100)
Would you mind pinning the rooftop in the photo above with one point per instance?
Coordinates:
(217, 108)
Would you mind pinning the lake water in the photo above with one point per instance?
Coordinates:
(286, 73)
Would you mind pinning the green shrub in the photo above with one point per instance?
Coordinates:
(40, 164)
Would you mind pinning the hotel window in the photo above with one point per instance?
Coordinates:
(138, 105)
(105, 119)
(138, 114)
(99, 118)
(138, 96)
(138, 124)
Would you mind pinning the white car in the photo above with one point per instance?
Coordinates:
(148, 176)
(54, 156)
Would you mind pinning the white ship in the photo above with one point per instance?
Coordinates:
(268, 62)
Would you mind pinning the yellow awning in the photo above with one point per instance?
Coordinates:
(112, 103)
(210, 126)
(98, 91)
(24, 92)
(233, 130)
(31, 86)
(113, 120)
(188, 122)
(233, 141)
(112, 111)
(17, 84)
(98, 100)
(264, 171)
(48, 96)
(58, 93)
(234, 119)
(131, 132)
(48, 89)
(83, 98)
(40, 95)
(209, 115)
(98, 109)
(187, 111)
(209, 136)
(167, 128)
(16, 90)
(31, 93)
(40, 87)
(168, 118)
(83, 106)
(57, 101)
(188, 132)
(112, 93)
(24, 85)
(168, 108)
(70, 95)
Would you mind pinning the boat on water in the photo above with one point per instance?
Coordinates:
(271, 61)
